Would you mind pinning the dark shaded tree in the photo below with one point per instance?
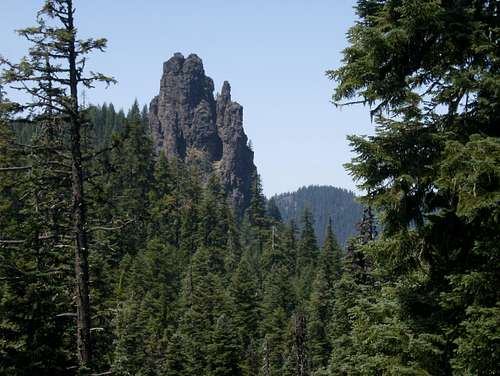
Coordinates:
(426, 70)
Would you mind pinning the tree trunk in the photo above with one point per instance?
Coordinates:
(300, 344)
(78, 212)
(267, 360)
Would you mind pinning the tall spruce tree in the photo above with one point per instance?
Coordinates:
(307, 255)
(322, 300)
(51, 74)
(203, 301)
(33, 272)
(127, 184)
(330, 259)
(146, 311)
(428, 70)
(307, 251)
(175, 360)
(224, 350)
(256, 214)
(245, 300)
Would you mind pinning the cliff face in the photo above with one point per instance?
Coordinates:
(188, 123)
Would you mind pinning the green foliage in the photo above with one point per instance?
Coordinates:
(223, 351)
(307, 254)
(308, 246)
(478, 347)
(330, 259)
(146, 311)
(49, 78)
(322, 301)
(245, 301)
(179, 286)
(319, 314)
(106, 122)
(175, 363)
(35, 312)
(431, 173)
(326, 203)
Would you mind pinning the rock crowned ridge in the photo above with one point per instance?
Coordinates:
(189, 123)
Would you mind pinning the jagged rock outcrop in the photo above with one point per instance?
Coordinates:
(188, 123)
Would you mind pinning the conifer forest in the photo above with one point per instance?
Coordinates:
(140, 241)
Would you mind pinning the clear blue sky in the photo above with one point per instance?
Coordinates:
(273, 52)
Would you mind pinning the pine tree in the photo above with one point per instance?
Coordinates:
(145, 116)
(319, 312)
(256, 214)
(347, 290)
(278, 304)
(290, 246)
(307, 251)
(51, 75)
(189, 187)
(128, 184)
(429, 170)
(321, 301)
(307, 254)
(330, 259)
(224, 350)
(33, 273)
(175, 363)
(146, 311)
(164, 200)
(276, 252)
(234, 248)
(203, 301)
(273, 211)
(300, 337)
(245, 295)
(213, 216)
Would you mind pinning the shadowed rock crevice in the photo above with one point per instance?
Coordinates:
(188, 123)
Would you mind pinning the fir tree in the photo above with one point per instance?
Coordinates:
(273, 211)
(51, 74)
(319, 311)
(146, 310)
(290, 246)
(307, 251)
(256, 213)
(330, 259)
(278, 304)
(244, 293)
(224, 350)
(307, 254)
(175, 363)
(203, 301)
(213, 217)
(33, 272)
(429, 169)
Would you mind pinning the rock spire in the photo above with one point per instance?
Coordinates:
(188, 123)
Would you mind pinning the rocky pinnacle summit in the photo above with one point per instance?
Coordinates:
(188, 123)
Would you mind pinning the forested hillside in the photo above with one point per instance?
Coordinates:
(325, 203)
(177, 282)
(119, 260)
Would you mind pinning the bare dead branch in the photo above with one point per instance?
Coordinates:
(16, 168)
